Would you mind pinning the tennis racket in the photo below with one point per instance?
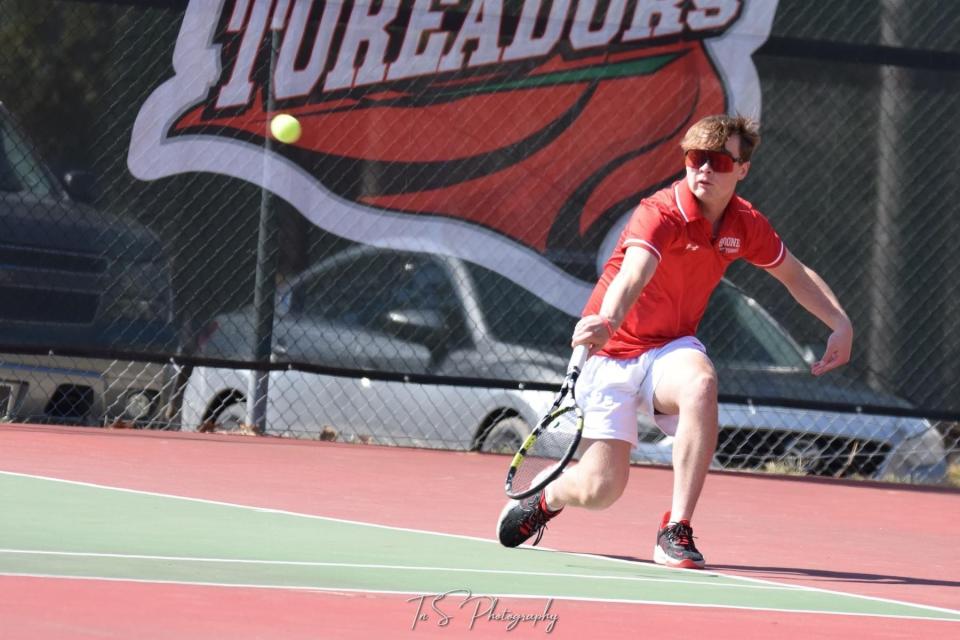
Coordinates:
(551, 445)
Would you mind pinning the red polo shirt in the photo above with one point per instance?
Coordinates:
(669, 224)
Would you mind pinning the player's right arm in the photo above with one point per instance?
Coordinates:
(638, 267)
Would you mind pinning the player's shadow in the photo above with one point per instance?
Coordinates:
(771, 573)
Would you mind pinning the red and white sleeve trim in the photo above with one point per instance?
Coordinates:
(777, 260)
(636, 242)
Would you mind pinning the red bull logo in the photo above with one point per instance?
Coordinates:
(513, 134)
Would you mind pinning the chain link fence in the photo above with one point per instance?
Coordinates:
(409, 271)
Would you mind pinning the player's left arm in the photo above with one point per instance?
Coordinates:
(814, 295)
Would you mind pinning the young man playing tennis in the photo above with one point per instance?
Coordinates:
(640, 323)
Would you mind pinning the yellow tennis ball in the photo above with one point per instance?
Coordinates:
(285, 128)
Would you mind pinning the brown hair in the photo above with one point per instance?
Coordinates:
(711, 134)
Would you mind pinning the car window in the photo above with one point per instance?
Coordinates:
(739, 333)
(20, 171)
(514, 315)
(349, 292)
(426, 286)
(364, 290)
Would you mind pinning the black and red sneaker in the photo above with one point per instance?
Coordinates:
(675, 546)
(521, 519)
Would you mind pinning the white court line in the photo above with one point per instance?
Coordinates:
(771, 583)
(392, 567)
(524, 596)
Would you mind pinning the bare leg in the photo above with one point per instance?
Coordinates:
(689, 388)
(596, 481)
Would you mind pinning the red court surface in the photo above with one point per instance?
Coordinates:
(885, 541)
(38, 609)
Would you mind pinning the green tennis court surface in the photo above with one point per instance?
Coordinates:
(65, 529)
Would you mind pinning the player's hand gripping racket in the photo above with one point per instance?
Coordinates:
(551, 445)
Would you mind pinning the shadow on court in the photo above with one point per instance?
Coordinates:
(834, 576)
(769, 573)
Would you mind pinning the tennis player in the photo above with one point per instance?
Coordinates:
(640, 324)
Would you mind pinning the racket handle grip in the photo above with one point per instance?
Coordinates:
(579, 357)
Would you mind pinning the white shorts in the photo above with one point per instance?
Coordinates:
(614, 394)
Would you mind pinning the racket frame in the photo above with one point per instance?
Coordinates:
(577, 361)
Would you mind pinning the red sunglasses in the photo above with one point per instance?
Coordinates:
(720, 161)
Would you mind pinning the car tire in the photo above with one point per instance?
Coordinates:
(505, 436)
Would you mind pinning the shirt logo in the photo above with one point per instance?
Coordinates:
(691, 246)
(727, 244)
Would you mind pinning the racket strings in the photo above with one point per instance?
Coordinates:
(549, 449)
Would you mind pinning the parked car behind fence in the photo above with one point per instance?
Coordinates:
(383, 310)
(76, 280)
